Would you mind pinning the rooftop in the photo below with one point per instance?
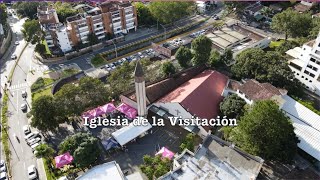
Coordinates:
(109, 170)
(75, 18)
(216, 159)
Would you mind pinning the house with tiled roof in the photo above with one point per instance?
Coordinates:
(305, 122)
(195, 92)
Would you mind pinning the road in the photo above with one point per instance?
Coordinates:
(21, 153)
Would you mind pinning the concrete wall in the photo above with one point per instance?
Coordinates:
(6, 43)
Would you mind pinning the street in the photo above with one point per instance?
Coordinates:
(21, 154)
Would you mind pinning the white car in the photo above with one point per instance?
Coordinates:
(33, 141)
(35, 145)
(24, 94)
(31, 135)
(3, 176)
(3, 167)
(24, 107)
(108, 67)
(32, 172)
(13, 56)
(16, 43)
(26, 129)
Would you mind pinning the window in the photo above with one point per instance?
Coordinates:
(302, 76)
(311, 75)
(314, 68)
(306, 72)
(298, 74)
(310, 81)
(295, 66)
(312, 59)
(306, 79)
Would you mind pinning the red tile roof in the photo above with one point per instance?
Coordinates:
(200, 95)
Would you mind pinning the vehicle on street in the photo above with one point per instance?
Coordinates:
(61, 65)
(32, 135)
(33, 146)
(24, 107)
(108, 68)
(31, 142)
(32, 172)
(16, 43)
(26, 129)
(3, 167)
(112, 66)
(4, 176)
(13, 56)
(24, 94)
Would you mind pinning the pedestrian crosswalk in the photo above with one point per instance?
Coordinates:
(18, 86)
(40, 68)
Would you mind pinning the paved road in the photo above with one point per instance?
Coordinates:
(21, 154)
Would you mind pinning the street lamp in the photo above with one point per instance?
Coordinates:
(115, 48)
(165, 31)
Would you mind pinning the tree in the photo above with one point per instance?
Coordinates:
(168, 68)
(215, 58)
(155, 166)
(232, 106)
(285, 46)
(266, 11)
(83, 147)
(201, 47)
(64, 10)
(44, 150)
(168, 12)
(44, 114)
(28, 9)
(144, 14)
(227, 56)
(234, 5)
(32, 31)
(93, 39)
(184, 56)
(3, 14)
(188, 142)
(267, 132)
(292, 23)
(40, 48)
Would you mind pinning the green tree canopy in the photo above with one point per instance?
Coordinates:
(3, 14)
(269, 66)
(201, 47)
(267, 132)
(168, 12)
(64, 10)
(285, 46)
(232, 106)
(44, 114)
(168, 68)
(184, 56)
(93, 39)
(144, 14)
(227, 56)
(215, 58)
(28, 9)
(83, 147)
(188, 142)
(40, 48)
(44, 150)
(32, 31)
(292, 23)
(155, 166)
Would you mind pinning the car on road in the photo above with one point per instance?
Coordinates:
(3, 176)
(33, 141)
(32, 135)
(26, 129)
(33, 146)
(13, 56)
(24, 107)
(108, 68)
(112, 66)
(24, 94)
(32, 172)
(16, 43)
(61, 65)
(3, 167)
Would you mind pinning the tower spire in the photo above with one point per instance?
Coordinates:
(140, 90)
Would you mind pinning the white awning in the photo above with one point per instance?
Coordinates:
(295, 52)
(128, 133)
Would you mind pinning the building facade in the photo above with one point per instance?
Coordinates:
(305, 64)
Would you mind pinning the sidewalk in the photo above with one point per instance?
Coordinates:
(41, 170)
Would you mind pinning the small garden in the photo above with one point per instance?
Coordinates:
(68, 72)
(98, 60)
(41, 87)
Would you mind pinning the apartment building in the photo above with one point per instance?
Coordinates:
(109, 17)
(56, 34)
(305, 63)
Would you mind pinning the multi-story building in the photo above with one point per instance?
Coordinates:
(56, 34)
(305, 63)
(109, 18)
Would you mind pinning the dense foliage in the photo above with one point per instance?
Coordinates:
(184, 56)
(28, 9)
(201, 47)
(155, 166)
(188, 142)
(232, 106)
(32, 31)
(168, 68)
(45, 151)
(267, 132)
(64, 10)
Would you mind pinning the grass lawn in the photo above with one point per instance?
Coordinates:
(41, 92)
(44, 42)
(69, 72)
(275, 44)
(98, 60)
(49, 174)
(41, 83)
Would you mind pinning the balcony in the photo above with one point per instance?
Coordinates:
(129, 16)
(101, 37)
(97, 22)
(83, 28)
(99, 33)
(130, 24)
(98, 28)
(84, 33)
(117, 24)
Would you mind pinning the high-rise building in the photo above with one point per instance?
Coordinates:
(305, 63)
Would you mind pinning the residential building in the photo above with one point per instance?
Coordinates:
(107, 18)
(215, 159)
(56, 34)
(305, 122)
(305, 64)
(304, 6)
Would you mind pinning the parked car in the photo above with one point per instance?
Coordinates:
(112, 66)
(3, 176)
(33, 146)
(32, 172)
(31, 135)
(13, 56)
(24, 94)
(16, 43)
(26, 129)
(107, 66)
(3, 167)
(33, 141)
(24, 107)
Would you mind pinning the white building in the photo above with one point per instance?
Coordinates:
(305, 63)
(1, 30)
